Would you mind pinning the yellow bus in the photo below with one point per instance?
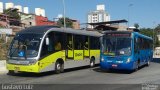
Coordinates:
(46, 48)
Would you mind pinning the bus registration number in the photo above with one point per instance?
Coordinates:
(114, 65)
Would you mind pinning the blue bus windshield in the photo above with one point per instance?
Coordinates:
(116, 46)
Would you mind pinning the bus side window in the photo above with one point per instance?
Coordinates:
(69, 42)
(94, 43)
(136, 45)
(59, 41)
(78, 42)
(86, 42)
(44, 50)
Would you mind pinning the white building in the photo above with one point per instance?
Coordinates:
(9, 5)
(19, 7)
(40, 12)
(43, 12)
(26, 10)
(1, 7)
(100, 15)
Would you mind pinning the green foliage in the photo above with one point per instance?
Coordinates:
(69, 22)
(151, 33)
(4, 48)
(136, 25)
(147, 31)
(12, 13)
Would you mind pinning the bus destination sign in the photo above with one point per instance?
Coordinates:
(118, 34)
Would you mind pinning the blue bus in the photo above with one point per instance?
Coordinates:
(125, 50)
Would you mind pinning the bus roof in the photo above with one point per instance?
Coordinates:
(136, 33)
(44, 29)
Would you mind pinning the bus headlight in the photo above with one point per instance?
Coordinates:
(102, 59)
(31, 62)
(128, 60)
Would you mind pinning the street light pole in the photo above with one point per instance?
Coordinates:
(154, 39)
(64, 18)
(129, 13)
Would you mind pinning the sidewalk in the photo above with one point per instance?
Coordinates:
(3, 66)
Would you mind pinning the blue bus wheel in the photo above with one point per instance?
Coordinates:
(137, 66)
(148, 62)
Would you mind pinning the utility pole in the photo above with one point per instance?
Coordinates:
(64, 12)
(130, 5)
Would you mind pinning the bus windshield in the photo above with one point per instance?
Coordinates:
(116, 46)
(25, 45)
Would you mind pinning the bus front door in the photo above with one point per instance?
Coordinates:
(70, 47)
(86, 47)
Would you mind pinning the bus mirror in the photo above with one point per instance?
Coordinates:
(47, 41)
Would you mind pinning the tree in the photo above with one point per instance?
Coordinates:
(136, 25)
(69, 22)
(12, 13)
(151, 33)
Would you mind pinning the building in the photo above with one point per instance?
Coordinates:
(9, 5)
(100, 15)
(26, 10)
(29, 20)
(6, 21)
(75, 24)
(40, 12)
(1, 7)
(116, 25)
(40, 20)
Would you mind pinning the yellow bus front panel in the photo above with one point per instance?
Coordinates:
(23, 68)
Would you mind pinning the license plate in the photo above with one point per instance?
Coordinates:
(17, 69)
(114, 65)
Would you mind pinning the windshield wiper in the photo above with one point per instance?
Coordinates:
(14, 50)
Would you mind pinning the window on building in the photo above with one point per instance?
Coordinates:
(30, 23)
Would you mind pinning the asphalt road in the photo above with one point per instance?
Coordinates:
(91, 78)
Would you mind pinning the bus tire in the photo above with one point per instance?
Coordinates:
(11, 72)
(92, 62)
(59, 67)
(137, 66)
(148, 63)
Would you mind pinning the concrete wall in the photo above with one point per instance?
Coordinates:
(3, 66)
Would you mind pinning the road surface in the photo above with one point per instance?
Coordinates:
(92, 78)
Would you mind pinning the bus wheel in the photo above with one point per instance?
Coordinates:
(148, 63)
(59, 67)
(137, 66)
(11, 72)
(92, 62)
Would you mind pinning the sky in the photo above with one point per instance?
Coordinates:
(144, 12)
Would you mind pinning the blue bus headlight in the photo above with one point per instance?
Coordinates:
(128, 60)
(102, 59)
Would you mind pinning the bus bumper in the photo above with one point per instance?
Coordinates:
(119, 66)
(23, 68)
